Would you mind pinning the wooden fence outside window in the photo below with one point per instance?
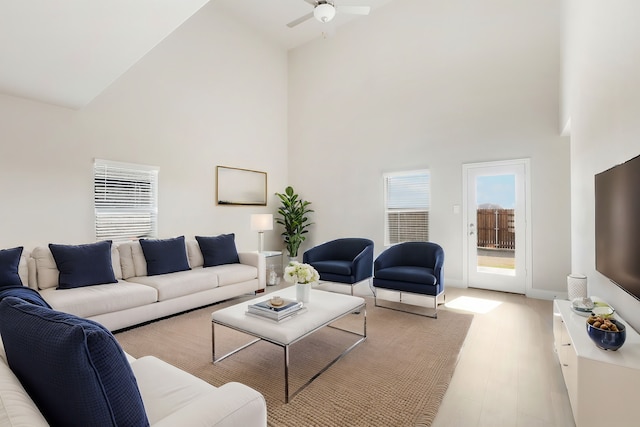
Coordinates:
(496, 228)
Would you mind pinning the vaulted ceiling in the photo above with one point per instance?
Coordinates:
(66, 52)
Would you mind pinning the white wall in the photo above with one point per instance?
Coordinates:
(431, 84)
(212, 93)
(604, 106)
(416, 84)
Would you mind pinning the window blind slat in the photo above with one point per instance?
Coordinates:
(125, 200)
(407, 204)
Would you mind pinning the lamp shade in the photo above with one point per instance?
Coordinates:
(261, 222)
(324, 12)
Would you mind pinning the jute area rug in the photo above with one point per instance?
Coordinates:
(397, 377)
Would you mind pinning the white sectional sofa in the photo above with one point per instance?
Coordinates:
(170, 396)
(137, 297)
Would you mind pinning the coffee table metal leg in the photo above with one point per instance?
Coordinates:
(286, 374)
(364, 323)
(213, 346)
(213, 342)
(362, 338)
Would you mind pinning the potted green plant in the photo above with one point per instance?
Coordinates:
(293, 211)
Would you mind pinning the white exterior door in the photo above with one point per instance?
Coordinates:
(496, 218)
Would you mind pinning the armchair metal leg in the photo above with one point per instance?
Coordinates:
(435, 301)
(373, 289)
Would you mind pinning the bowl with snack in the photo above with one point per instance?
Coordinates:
(607, 333)
(276, 301)
(605, 312)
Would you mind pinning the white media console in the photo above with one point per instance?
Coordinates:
(603, 386)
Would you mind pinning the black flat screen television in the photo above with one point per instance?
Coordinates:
(617, 195)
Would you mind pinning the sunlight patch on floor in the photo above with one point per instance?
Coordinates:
(474, 305)
(494, 270)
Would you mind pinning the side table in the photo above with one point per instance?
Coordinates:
(273, 261)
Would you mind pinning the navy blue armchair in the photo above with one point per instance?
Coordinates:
(347, 260)
(411, 267)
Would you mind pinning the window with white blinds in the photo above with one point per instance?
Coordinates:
(126, 200)
(407, 203)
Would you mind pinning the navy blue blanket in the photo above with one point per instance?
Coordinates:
(24, 293)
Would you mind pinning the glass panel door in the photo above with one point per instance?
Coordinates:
(496, 226)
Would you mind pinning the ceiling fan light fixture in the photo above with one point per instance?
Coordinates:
(324, 12)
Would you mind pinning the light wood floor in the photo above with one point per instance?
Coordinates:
(508, 374)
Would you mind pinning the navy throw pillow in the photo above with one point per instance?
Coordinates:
(218, 250)
(83, 265)
(165, 255)
(73, 368)
(9, 262)
(26, 294)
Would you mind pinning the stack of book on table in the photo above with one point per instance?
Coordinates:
(267, 310)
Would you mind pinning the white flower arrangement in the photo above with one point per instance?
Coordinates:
(297, 272)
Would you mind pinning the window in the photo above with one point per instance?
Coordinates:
(126, 200)
(407, 203)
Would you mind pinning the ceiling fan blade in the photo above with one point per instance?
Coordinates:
(300, 20)
(312, 2)
(354, 10)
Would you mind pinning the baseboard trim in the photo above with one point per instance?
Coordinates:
(546, 294)
(530, 293)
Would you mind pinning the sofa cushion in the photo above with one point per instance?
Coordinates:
(85, 378)
(25, 294)
(139, 263)
(218, 250)
(83, 265)
(125, 252)
(406, 273)
(46, 272)
(230, 274)
(92, 301)
(180, 283)
(165, 255)
(195, 254)
(23, 267)
(16, 407)
(9, 262)
(115, 262)
(167, 388)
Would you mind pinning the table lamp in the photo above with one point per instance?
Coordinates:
(261, 223)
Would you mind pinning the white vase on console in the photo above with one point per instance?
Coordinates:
(576, 286)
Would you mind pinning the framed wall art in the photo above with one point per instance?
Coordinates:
(237, 186)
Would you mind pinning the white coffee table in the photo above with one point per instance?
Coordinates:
(322, 309)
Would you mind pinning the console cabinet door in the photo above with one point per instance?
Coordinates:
(569, 365)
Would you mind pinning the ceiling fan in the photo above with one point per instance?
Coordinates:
(325, 10)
